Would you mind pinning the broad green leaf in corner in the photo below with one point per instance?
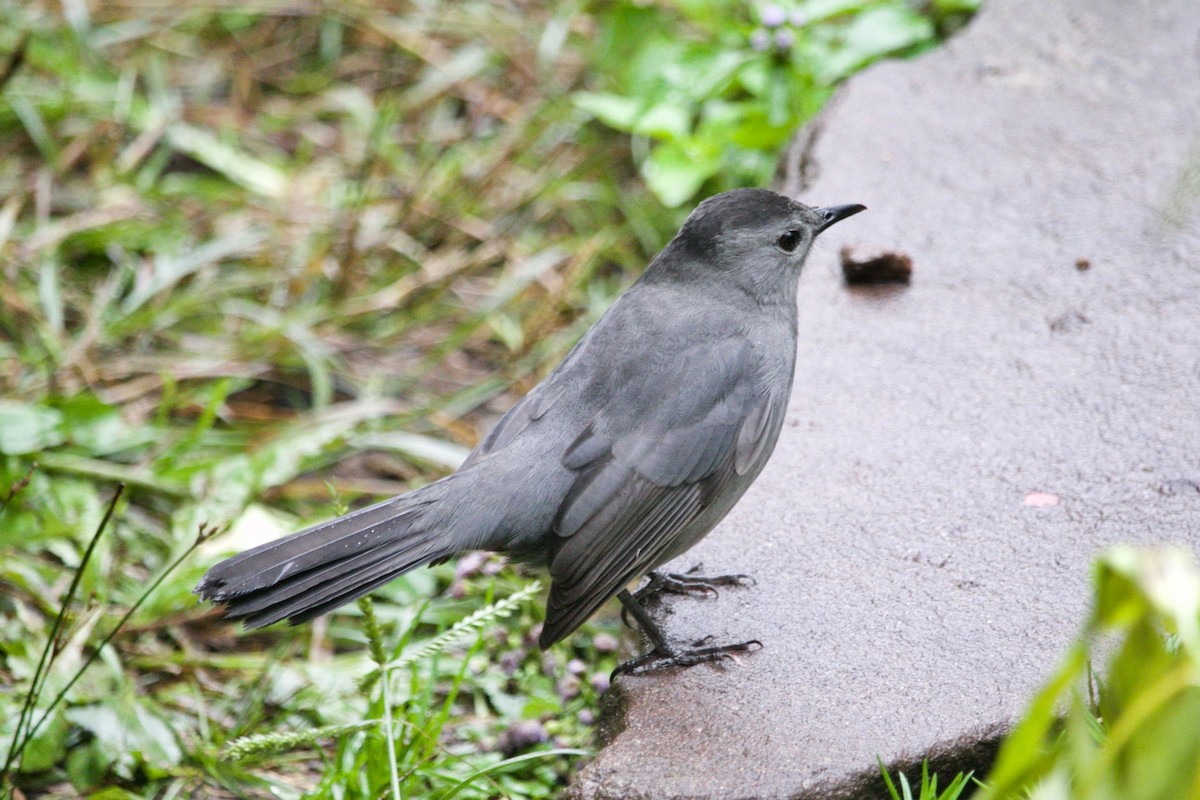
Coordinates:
(1143, 743)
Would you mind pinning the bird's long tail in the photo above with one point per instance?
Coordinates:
(316, 570)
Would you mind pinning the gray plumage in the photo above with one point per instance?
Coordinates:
(626, 455)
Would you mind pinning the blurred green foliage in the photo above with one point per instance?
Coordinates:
(712, 90)
(1132, 731)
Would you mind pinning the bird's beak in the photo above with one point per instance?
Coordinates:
(834, 214)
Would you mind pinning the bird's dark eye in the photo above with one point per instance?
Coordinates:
(789, 241)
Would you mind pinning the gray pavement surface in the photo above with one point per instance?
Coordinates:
(958, 449)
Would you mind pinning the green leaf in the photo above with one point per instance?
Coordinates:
(168, 269)
(508, 763)
(956, 6)
(27, 428)
(875, 33)
(86, 765)
(48, 746)
(613, 110)
(130, 735)
(675, 174)
(664, 120)
(702, 71)
(114, 793)
(91, 424)
(1144, 744)
(35, 126)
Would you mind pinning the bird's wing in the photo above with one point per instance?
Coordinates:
(648, 465)
(532, 406)
(528, 409)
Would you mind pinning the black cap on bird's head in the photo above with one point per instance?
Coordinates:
(723, 215)
(752, 232)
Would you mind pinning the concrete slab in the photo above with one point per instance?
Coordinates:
(959, 448)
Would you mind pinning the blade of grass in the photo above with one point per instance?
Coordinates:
(18, 486)
(102, 469)
(464, 627)
(201, 536)
(375, 645)
(500, 766)
(17, 745)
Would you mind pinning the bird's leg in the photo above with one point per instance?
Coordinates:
(663, 654)
(689, 583)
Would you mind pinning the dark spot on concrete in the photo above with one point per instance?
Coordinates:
(1083, 264)
(861, 266)
(1068, 322)
(1184, 486)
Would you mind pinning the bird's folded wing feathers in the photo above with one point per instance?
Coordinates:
(648, 469)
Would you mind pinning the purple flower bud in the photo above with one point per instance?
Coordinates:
(469, 565)
(520, 736)
(605, 643)
(576, 667)
(760, 41)
(784, 39)
(568, 688)
(773, 16)
(586, 717)
(510, 662)
(600, 682)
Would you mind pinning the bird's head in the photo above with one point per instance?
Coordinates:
(755, 237)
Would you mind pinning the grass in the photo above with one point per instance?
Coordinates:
(261, 260)
(252, 256)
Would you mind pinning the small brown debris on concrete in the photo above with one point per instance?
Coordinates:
(1083, 264)
(862, 266)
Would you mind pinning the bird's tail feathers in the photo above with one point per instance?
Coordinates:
(316, 570)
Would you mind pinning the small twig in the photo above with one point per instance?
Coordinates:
(18, 486)
(43, 667)
(203, 534)
(15, 60)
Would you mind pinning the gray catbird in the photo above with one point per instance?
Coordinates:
(625, 456)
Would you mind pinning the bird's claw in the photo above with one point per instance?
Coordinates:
(689, 583)
(659, 659)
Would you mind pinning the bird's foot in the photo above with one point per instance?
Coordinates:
(689, 583)
(666, 657)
